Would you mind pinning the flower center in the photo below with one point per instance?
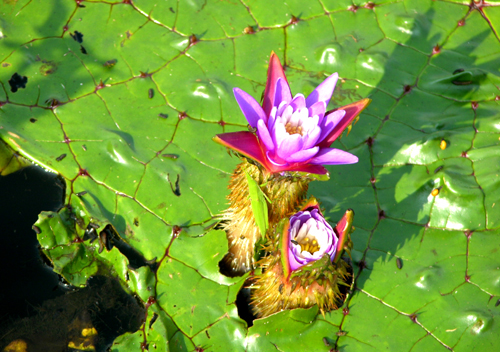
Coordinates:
(293, 129)
(309, 245)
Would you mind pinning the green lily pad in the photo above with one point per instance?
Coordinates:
(122, 99)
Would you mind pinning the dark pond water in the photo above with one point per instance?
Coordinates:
(36, 305)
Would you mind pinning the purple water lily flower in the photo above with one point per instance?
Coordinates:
(292, 133)
(308, 237)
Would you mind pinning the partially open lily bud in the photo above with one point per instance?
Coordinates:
(310, 237)
(307, 267)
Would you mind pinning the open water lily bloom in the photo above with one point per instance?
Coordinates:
(292, 133)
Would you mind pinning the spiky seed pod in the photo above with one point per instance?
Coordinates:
(286, 283)
(285, 191)
(272, 292)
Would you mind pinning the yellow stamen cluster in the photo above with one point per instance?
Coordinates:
(293, 129)
(309, 246)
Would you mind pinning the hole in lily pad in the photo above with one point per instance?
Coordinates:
(244, 308)
(77, 36)
(17, 81)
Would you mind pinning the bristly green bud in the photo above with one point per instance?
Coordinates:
(294, 279)
(285, 191)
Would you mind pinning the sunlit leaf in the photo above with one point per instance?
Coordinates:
(122, 99)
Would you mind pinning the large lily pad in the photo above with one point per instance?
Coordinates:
(122, 100)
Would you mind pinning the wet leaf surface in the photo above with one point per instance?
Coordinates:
(133, 92)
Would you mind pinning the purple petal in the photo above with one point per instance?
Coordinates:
(331, 156)
(278, 134)
(250, 107)
(271, 120)
(324, 91)
(319, 109)
(281, 108)
(311, 138)
(282, 92)
(298, 102)
(329, 122)
(303, 155)
(289, 145)
(294, 264)
(274, 162)
(264, 135)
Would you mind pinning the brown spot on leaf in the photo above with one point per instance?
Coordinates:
(48, 67)
(436, 50)
(100, 85)
(176, 230)
(151, 301)
(110, 63)
(193, 40)
(83, 172)
(249, 30)
(294, 20)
